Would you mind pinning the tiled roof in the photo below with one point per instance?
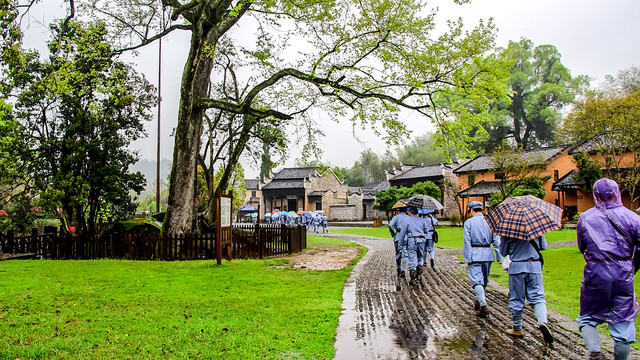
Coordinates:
(568, 182)
(284, 184)
(483, 162)
(421, 172)
(251, 184)
(482, 188)
(592, 145)
(315, 193)
(375, 187)
(295, 173)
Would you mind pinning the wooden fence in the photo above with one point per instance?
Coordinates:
(249, 241)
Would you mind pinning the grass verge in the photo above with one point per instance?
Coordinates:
(180, 310)
(450, 236)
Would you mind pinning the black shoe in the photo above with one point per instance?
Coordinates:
(419, 270)
(400, 273)
(546, 334)
(596, 356)
(433, 264)
(413, 280)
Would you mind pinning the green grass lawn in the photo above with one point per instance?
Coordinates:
(157, 310)
(450, 237)
(562, 273)
(562, 269)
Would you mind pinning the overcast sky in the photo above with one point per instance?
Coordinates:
(595, 38)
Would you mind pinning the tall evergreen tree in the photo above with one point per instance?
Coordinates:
(541, 88)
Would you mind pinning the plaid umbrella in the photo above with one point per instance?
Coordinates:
(423, 202)
(524, 217)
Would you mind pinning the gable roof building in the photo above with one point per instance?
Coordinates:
(409, 175)
(478, 179)
(305, 188)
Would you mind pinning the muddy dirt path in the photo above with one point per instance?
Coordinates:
(385, 318)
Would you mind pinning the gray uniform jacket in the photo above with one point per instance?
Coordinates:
(478, 239)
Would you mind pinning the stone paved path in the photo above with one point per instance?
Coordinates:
(385, 318)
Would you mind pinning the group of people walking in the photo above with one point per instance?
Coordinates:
(309, 219)
(413, 239)
(608, 235)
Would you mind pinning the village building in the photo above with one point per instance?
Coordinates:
(574, 197)
(409, 175)
(304, 189)
(360, 204)
(253, 194)
(478, 179)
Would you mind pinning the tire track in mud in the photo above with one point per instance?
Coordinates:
(386, 318)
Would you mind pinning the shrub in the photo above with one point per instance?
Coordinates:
(455, 219)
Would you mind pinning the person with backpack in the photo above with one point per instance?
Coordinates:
(395, 225)
(431, 239)
(609, 238)
(410, 239)
(525, 281)
(325, 223)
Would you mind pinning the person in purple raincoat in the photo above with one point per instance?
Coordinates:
(609, 239)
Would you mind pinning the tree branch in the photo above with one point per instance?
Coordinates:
(153, 38)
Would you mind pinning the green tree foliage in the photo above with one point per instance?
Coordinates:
(529, 185)
(518, 172)
(386, 199)
(589, 170)
(608, 120)
(362, 61)
(541, 88)
(79, 110)
(17, 210)
(426, 188)
(148, 203)
(421, 151)
(208, 184)
(370, 168)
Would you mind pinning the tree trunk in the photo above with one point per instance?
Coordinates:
(182, 209)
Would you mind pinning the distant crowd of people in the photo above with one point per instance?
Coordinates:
(608, 236)
(311, 219)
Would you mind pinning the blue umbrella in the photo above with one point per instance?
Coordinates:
(425, 211)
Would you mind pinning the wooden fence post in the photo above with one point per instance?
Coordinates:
(34, 241)
(288, 237)
(10, 242)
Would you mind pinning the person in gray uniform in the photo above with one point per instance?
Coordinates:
(395, 225)
(412, 234)
(525, 281)
(477, 253)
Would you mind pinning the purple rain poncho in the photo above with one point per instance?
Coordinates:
(607, 284)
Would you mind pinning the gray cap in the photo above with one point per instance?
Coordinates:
(475, 205)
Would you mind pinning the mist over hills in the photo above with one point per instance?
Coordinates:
(148, 169)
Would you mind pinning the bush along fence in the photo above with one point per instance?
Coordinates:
(248, 241)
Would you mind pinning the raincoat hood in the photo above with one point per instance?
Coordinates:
(606, 194)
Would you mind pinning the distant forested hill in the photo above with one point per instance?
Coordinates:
(148, 169)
